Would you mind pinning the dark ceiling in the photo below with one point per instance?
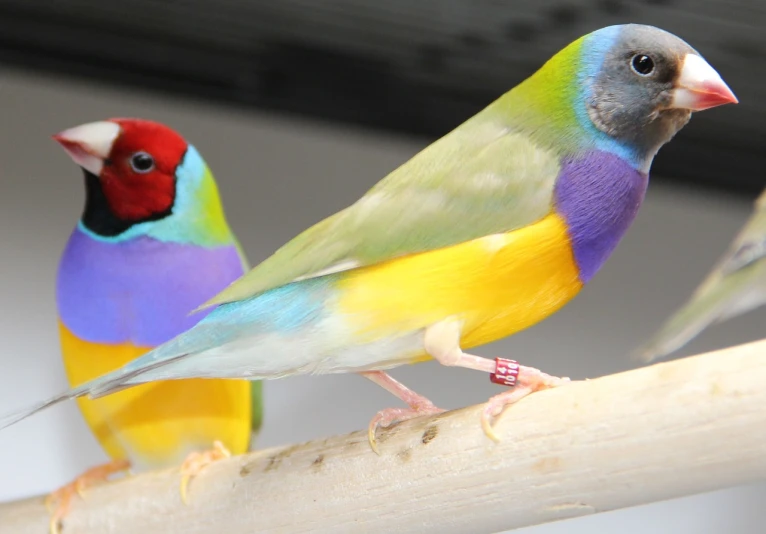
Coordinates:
(415, 66)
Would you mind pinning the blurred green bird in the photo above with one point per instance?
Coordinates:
(736, 285)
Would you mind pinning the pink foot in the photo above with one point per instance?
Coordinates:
(418, 405)
(196, 462)
(523, 381)
(387, 417)
(59, 502)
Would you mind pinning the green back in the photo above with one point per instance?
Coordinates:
(494, 173)
(482, 178)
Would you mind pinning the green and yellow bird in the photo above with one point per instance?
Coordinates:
(152, 244)
(484, 233)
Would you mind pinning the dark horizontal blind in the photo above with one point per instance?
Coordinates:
(415, 66)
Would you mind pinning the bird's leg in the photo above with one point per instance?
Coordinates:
(523, 381)
(442, 341)
(62, 497)
(196, 462)
(418, 405)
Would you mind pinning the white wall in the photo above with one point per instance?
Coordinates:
(278, 176)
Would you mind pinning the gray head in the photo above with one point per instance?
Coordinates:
(642, 84)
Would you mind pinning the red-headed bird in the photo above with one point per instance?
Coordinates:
(152, 244)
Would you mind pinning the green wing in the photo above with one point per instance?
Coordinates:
(480, 179)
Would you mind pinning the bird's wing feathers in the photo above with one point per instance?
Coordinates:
(479, 180)
(750, 244)
(735, 285)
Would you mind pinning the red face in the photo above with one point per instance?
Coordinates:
(138, 176)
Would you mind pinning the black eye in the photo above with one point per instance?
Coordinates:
(642, 64)
(142, 162)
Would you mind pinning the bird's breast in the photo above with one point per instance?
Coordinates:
(139, 291)
(598, 194)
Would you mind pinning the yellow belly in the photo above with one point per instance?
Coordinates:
(498, 285)
(158, 424)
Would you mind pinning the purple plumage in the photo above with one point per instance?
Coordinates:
(598, 195)
(140, 290)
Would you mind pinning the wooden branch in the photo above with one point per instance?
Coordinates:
(672, 429)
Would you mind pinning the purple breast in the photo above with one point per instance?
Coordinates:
(598, 195)
(139, 291)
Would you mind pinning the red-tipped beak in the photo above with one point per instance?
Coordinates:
(89, 144)
(700, 87)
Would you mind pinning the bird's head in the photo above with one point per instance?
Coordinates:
(630, 87)
(142, 177)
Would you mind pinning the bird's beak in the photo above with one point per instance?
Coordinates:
(89, 144)
(700, 87)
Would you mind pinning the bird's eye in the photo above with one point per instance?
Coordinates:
(642, 64)
(142, 162)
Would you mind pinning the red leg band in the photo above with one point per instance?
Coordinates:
(506, 372)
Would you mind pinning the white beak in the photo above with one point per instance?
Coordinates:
(89, 144)
(700, 87)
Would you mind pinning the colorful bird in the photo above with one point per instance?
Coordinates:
(736, 285)
(484, 233)
(152, 244)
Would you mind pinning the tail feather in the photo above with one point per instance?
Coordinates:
(119, 379)
(123, 378)
(127, 377)
(676, 333)
(169, 361)
(714, 302)
(14, 417)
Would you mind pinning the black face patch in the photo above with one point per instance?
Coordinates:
(99, 218)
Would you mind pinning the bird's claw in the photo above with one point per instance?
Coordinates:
(62, 497)
(526, 380)
(387, 417)
(196, 462)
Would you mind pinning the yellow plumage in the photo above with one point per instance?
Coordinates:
(157, 424)
(497, 285)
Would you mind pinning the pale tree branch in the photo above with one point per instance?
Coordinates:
(669, 430)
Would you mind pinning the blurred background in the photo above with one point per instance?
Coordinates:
(299, 107)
